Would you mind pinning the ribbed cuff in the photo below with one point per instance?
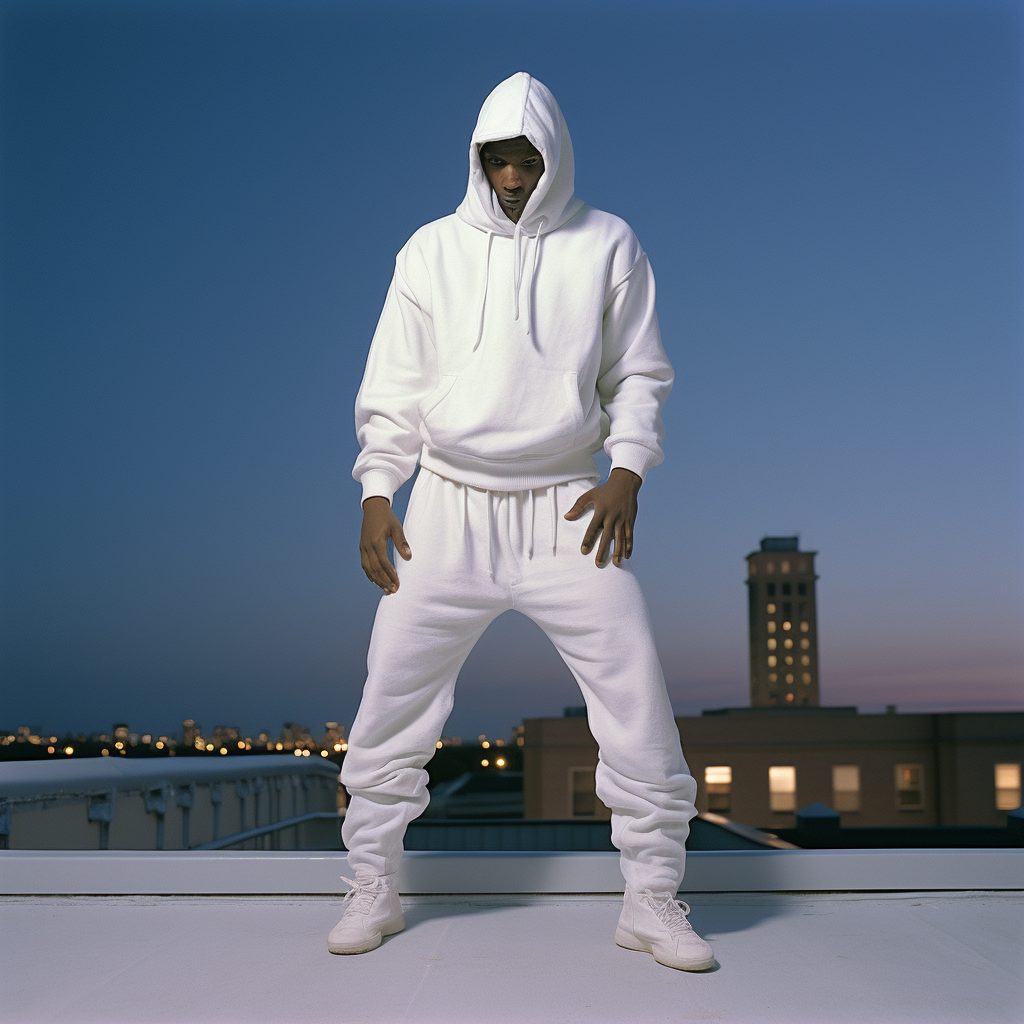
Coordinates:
(379, 483)
(637, 458)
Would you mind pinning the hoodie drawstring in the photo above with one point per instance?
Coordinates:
(517, 270)
(483, 298)
(488, 495)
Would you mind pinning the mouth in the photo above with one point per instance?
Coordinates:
(511, 200)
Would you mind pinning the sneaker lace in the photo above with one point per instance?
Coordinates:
(360, 898)
(669, 910)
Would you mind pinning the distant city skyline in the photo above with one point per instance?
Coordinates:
(201, 209)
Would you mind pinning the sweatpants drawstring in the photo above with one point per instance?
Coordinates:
(490, 534)
(554, 515)
(533, 502)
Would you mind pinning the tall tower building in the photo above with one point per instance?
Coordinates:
(783, 624)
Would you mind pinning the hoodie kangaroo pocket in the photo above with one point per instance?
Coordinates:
(527, 414)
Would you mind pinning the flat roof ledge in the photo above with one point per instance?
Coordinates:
(214, 872)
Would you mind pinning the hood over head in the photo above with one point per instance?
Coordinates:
(522, 106)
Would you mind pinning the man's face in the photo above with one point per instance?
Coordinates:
(513, 167)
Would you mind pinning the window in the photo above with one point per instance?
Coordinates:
(909, 792)
(805, 644)
(770, 589)
(782, 785)
(789, 680)
(771, 609)
(787, 625)
(1007, 787)
(771, 626)
(788, 643)
(584, 797)
(786, 589)
(787, 609)
(789, 698)
(804, 626)
(718, 783)
(773, 677)
(772, 661)
(769, 567)
(772, 644)
(801, 589)
(785, 568)
(805, 659)
(846, 787)
(806, 677)
(789, 659)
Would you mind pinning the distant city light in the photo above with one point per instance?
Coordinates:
(500, 762)
(105, 752)
(298, 753)
(223, 750)
(438, 745)
(209, 746)
(279, 746)
(485, 762)
(305, 753)
(485, 744)
(344, 746)
(119, 745)
(337, 747)
(241, 744)
(69, 750)
(323, 753)
(49, 750)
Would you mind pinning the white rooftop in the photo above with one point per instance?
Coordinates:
(928, 957)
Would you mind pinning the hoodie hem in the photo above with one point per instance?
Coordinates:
(521, 475)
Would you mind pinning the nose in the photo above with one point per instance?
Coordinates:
(510, 178)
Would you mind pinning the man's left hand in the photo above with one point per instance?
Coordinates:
(614, 514)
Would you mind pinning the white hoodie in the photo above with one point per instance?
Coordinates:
(506, 354)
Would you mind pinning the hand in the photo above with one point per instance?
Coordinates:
(379, 523)
(614, 514)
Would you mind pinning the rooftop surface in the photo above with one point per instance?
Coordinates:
(795, 957)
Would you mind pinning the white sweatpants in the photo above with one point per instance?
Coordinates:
(475, 554)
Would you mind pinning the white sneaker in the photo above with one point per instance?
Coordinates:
(655, 922)
(372, 910)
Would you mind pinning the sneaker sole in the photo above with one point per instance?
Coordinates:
(627, 940)
(391, 928)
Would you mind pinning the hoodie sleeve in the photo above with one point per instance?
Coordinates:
(636, 376)
(401, 370)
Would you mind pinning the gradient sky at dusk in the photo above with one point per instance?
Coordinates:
(201, 205)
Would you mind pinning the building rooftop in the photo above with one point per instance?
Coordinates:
(928, 953)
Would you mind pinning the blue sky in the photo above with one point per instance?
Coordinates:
(201, 205)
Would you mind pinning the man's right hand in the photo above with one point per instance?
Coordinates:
(379, 523)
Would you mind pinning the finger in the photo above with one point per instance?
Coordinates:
(388, 571)
(593, 529)
(374, 573)
(401, 544)
(629, 539)
(606, 539)
(582, 502)
(620, 541)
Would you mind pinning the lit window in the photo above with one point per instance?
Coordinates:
(782, 786)
(806, 677)
(770, 567)
(772, 661)
(785, 566)
(787, 626)
(846, 787)
(788, 643)
(718, 784)
(909, 794)
(753, 568)
(789, 698)
(805, 644)
(772, 644)
(583, 796)
(789, 659)
(1007, 787)
(804, 626)
(771, 627)
(772, 677)
(771, 609)
(789, 677)
(805, 659)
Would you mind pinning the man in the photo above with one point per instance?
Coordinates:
(518, 335)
